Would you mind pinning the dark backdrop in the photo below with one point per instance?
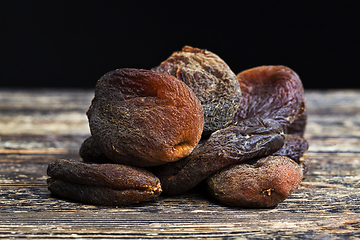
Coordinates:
(66, 44)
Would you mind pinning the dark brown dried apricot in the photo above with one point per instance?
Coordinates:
(144, 118)
(212, 81)
(90, 152)
(102, 184)
(274, 92)
(294, 147)
(298, 126)
(249, 139)
(263, 184)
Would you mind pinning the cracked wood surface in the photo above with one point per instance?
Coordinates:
(39, 126)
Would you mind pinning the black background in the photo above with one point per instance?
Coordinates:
(71, 44)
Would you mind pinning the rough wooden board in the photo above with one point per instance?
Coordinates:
(44, 112)
(326, 206)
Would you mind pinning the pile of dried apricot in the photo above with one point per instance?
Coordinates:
(188, 121)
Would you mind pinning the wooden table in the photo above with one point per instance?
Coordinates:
(39, 126)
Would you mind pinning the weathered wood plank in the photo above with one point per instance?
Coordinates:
(44, 112)
(37, 127)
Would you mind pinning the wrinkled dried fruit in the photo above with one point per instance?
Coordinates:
(294, 147)
(102, 184)
(298, 126)
(90, 152)
(144, 118)
(212, 81)
(264, 184)
(274, 92)
(249, 139)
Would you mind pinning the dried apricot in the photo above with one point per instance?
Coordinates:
(262, 184)
(298, 126)
(102, 184)
(90, 152)
(294, 147)
(274, 92)
(249, 139)
(144, 118)
(211, 79)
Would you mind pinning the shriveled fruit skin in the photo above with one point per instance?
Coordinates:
(249, 139)
(90, 152)
(102, 184)
(144, 118)
(294, 147)
(274, 92)
(264, 184)
(211, 79)
(298, 127)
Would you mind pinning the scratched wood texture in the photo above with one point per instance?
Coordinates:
(39, 126)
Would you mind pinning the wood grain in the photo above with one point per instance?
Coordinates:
(39, 126)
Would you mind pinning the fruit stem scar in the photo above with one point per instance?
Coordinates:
(113, 147)
(267, 191)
